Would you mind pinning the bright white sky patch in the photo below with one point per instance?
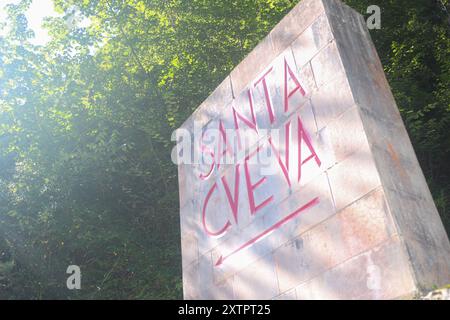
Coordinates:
(38, 10)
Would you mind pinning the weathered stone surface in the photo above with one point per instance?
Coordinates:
(346, 134)
(327, 65)
(354, 177)
(359, 227)
(183, 172)
(312, 40)
(189, 248)
(308, 255)
(331, 100)
(198, 279)
(223, 290)
(257, 281)
(190, 280)
(325, 208)
(407, 193)
(295, 23)
(381, 273)
(307, 76)
(288, 295)
(341, 210)
(429, 262)
(366, 223)
(274, 76)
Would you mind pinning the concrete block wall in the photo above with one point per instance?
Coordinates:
(370, 229)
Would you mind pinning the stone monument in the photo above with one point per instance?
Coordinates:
(324, 197)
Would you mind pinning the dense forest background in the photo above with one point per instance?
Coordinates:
(86, 120)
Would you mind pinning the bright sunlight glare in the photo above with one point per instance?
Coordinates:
(39, 9)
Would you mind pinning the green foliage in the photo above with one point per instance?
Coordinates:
(86, 120)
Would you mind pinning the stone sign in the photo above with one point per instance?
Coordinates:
(298, 179)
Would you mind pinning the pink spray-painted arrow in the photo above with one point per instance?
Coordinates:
(269, 230)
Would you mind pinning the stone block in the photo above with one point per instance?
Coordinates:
(288, 295)
(331, 101)
(429, 262)
(327, 65)
(380, 273)
(306, 75)
(295, 22)
(314, 215)
(258, 281)
(346, 134)
(189, 249)
(358, 228)
(353, 178)
(312, 40)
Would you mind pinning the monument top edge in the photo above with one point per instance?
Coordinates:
(299, 12)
